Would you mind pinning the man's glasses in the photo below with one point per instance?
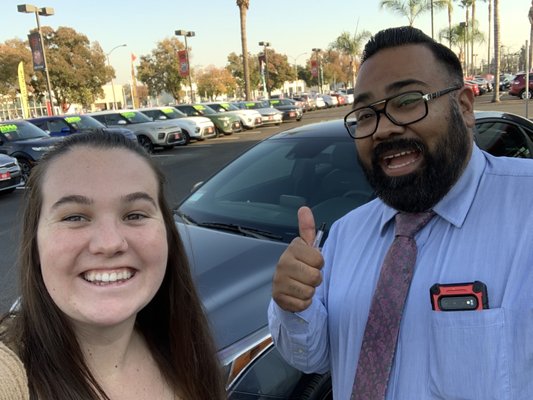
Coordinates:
(401, 109)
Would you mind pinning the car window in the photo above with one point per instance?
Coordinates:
(55, 125)
(502, 139)
(20, 131)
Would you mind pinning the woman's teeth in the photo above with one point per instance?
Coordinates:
(107, 277)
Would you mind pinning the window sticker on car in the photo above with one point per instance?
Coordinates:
(250, 104)
(128, 114)
(225, 105)
(72, 120)
(8, 128)
(167, 110)
(199, 107)
(274, 101)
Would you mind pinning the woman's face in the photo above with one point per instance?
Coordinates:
(101, 235)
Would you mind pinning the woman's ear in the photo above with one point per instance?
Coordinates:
(466, 104)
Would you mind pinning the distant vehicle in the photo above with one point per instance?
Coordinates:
(24, 141)
(518, 86)
(290, 111)
(64, 125)
(249, 118)
(150, 134)
(331, 101)
(10, 174)
(225, 123)
(320, 103)
(197, 128)
(473, 86)
(269, 114)
(310, 103)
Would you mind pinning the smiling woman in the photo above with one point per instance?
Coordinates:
(107, 267)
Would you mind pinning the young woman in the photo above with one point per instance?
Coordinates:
(108, 306)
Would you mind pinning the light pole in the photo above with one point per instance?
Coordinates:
(186, 34)
(296, 68)
(319, 72)
(265, 45)
(45, 12)
(112, 81)
(464, 25)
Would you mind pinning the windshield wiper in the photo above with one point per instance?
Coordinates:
(245, 231)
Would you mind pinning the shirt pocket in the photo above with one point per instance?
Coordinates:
(468, 356)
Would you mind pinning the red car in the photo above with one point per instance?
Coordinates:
(518, 86)
(473, 86)
(340, 98)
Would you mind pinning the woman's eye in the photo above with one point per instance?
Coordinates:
(74, 218)
(135, 217)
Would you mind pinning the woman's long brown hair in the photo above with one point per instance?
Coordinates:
(173, 323)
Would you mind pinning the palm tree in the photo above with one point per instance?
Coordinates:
(412, 8)
(473, 6)
(466, 5)
(459, 35)
(496, 95)
(351, 46)
(450, 12)
(243, 8)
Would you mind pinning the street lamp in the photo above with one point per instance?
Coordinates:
(45, 12)
(296, 68)
(319, 73)
(186, 34)
(112, 81)
(265, 45)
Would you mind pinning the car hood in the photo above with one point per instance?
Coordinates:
(141, 126)
(233, 275)
(40, 142)
(286, 108)
(267, 111)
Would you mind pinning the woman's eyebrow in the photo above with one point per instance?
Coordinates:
(73, 198)
(140, 196)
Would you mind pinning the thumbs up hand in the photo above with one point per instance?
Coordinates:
(298, 270)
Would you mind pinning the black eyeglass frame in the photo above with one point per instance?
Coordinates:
(426, 97)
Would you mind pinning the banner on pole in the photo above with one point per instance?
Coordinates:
(314, 68)
(36, 51)
(23, 92)
(184, 63)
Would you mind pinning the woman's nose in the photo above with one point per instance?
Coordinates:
(108, 238)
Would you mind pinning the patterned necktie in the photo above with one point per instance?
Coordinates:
(383, 324)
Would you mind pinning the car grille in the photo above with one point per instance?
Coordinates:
(174, 137)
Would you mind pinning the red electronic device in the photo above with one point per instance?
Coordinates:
(471, 296)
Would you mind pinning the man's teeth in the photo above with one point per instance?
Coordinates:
(107, 277)
(403, 153)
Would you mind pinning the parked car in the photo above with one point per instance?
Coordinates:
(10, 174)
(505, 81)
(225, 124)
(25, 142)
(518, 86)
(331, 101)
(473, 86)
(341, 100)
(236, 225)
(309, 101)
(249, 118)
(483, 83)
(289, 109)
(320, 103)
(269, 114)
(197, 128)
(64, 125)
(150, 134)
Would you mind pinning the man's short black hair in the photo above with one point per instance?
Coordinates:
(406, 35)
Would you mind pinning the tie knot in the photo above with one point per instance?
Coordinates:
(408, 224)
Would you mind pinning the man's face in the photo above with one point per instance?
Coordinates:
(412, 167)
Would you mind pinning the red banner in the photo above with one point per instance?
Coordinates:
(314, 68)
(36, 51)
(184, 62)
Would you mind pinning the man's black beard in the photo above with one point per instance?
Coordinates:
(422, 189)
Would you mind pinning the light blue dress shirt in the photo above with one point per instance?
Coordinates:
(483, 231)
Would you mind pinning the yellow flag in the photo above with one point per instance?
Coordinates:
(23, 92)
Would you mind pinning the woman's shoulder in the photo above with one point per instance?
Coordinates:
(13, 379)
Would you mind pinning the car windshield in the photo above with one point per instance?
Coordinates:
(204, 109)
(84, 122)
(135, 117)
(229, 106)
(263, 189)
(19, 130)
(172, 113)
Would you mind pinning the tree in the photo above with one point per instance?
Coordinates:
(459, 35)
(279, 70)
(77, 68)
(235, 67)
(496, 93)
(213, 81)
(351, 46)
(160, 70)
(243, 8)
(412, 8)
(11, 53)
(336, 67)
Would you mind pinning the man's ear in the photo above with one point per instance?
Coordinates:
(466, 104)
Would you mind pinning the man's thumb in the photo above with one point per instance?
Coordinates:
(306, 225)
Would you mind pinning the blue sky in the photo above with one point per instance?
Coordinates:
(293, 27)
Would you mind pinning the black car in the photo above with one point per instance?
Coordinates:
(63, 125)
(236, 225)
(26, 142)
(10, 174)
(288, 107)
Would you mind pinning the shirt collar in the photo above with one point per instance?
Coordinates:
(455, 205)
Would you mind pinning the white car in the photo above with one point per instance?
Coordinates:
(250, 118)
(331, 101)
(320, 103)
(198, 128)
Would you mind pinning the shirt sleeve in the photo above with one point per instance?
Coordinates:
(301, 338)
(13, 379)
